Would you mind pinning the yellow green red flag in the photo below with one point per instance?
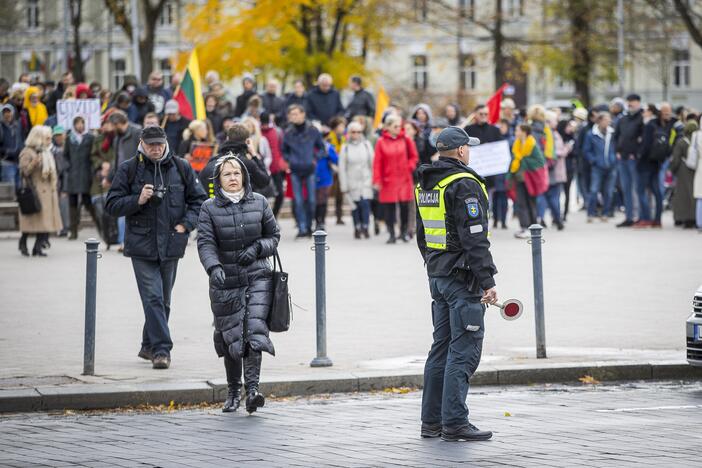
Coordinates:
(189, 92)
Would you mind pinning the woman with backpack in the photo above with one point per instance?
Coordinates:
(684, 156)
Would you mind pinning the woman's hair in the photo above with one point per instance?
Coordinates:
(37, 137)
(336, 121)
(526, 128)
(392, 119)
(193, 127)
(254, 129)
(230, 158)
(77, 118)
(354, 125)
(536, 112)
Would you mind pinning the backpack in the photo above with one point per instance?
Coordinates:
(137, 163)
(693, 151)
(660, 149)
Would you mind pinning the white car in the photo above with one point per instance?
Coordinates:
(694, 331)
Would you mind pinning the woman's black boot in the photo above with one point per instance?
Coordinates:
(38, 245)
(233, 400)
(23, 245)
(252, 374)
(254, 400)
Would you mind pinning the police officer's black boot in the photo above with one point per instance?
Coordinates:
(463, 432)
(252, 373)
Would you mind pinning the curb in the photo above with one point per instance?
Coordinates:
(105, 396)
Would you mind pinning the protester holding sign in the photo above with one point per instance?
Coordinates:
(198, 144)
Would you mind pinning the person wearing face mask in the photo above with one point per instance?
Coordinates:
(237, 233)
(452, 236)
(160, 196)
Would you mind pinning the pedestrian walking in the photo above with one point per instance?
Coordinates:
(160, 197)
(327, 166)
(356, 177)
(527, 161)
(303, 146)
(658, 137)
(337, 138)
(79, 174)
(38, 170)
(628, 134)
(272, 103)
(557, 175)
(452, 236)
(600, 151)
(242, 100)
(237, 232)
(393, 165)
(683, 200)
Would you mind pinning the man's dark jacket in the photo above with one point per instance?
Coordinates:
(468, 247)
(11, 141)
(242, 101)
(255, 168)
(323, 106)
(302, 147)
(649, 135)
(629, 133)
(362, 103)
(150, 230)
(486, 133)
(275, 105)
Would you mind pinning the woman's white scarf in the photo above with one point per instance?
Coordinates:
(48, 164)
(235, 197)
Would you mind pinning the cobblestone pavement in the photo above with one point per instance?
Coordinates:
(636, 424)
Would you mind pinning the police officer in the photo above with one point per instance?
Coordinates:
(452, 235)
(160, 196)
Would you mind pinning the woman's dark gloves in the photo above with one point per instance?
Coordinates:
(249, 255)
(217, 276)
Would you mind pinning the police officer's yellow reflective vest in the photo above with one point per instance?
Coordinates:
(432, 209)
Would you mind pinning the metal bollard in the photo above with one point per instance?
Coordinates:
(536, 241)
(92, 254)
(320, 247)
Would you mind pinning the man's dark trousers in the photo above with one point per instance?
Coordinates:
(155, 279)
(458, 318)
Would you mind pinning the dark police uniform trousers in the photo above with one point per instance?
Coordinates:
(452, 235)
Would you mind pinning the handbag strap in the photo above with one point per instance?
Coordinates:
(276, 261)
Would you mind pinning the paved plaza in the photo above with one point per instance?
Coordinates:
(609, 294)
(628, 425)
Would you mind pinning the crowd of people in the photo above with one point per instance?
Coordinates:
(308, 146)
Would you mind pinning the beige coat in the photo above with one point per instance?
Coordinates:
(49, 218)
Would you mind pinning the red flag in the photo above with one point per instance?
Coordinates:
(493, 105)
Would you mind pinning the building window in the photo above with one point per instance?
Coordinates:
(467, 72)
(419, 70)
(421, 9)
(165, 66)
(119, 70)
(466, 9)
(167, 17)
(513, 8)
(681, 68)
(32, 13)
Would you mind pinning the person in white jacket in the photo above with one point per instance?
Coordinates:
(356, 177)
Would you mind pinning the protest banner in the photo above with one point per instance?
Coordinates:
(69, 109)
(200, 154)
(489, 159)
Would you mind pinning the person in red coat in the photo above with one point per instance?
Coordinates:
(393, 165)
(279, 166)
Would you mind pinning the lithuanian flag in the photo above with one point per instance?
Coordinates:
(189, 92)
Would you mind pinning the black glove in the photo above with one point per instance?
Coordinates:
(217, 277)
(248, 255)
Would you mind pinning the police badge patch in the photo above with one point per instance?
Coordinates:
(473, 208)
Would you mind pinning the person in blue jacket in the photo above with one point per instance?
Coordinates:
(599, 149)
(325, 179)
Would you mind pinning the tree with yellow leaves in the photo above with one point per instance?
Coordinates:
(299, 38)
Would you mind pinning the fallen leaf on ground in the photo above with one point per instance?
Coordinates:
(589, 380)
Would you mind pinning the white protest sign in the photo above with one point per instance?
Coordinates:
(69, 109)
(489, 159)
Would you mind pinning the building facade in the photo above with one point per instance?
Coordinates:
(36, 38)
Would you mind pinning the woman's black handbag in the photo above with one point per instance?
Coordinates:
(27, 198)
(280, 314)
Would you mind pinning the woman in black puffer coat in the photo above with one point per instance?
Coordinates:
(237, 233)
